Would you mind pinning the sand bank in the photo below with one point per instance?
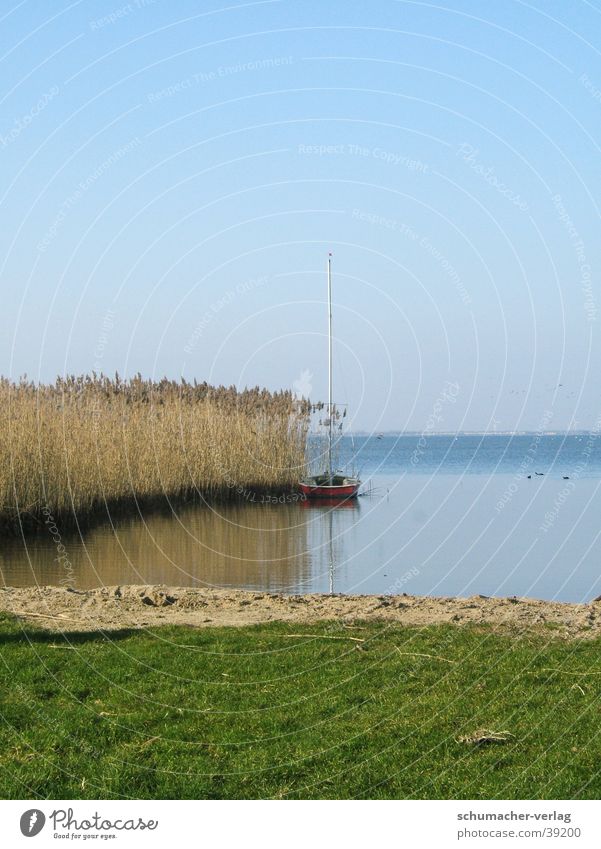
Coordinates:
(111, 608)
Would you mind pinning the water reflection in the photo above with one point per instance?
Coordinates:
(424, 535)
(329, 526)
(279, 548)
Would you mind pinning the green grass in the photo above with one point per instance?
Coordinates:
(256, 713)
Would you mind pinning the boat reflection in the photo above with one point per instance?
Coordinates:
(334, 503)
(333, 518)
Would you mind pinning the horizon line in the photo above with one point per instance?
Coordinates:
(559, 432)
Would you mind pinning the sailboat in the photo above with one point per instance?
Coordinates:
(330, 484)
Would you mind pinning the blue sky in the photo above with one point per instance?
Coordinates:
(174, 174)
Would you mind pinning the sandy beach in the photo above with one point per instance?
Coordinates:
(112, 608)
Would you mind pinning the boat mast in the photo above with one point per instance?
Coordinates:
(330, 409)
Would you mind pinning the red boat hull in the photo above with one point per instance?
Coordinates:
(343, 491)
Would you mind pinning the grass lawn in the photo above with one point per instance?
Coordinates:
(260, 712)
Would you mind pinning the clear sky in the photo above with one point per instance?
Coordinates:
(174, 174)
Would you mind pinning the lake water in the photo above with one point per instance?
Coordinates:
(446, 516)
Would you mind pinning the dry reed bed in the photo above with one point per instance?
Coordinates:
(72, 447)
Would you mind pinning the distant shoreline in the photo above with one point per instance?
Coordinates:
(431, 433)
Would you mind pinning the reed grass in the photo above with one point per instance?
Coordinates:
(83, 443)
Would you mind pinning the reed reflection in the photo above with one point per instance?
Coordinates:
(276, 548)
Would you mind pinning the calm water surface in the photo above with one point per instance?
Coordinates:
(447, 516)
